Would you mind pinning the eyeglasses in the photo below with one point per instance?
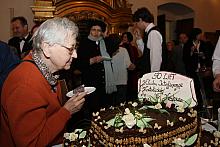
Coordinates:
(70, 49)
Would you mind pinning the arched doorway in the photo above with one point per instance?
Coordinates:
(174, 18)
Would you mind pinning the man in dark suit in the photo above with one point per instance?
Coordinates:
(21, 40)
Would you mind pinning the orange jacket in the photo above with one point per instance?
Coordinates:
(32, 114)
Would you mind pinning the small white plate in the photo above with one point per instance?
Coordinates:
(88, 90)
(106, 58)
(209, 127)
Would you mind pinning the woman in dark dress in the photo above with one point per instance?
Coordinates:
(94, 63)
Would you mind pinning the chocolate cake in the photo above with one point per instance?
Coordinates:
(163, 116)
(163, 127)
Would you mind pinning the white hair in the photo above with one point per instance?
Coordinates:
(54, 31)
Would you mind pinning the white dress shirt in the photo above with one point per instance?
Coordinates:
(154, 43)
(216, 59)
(22, 43)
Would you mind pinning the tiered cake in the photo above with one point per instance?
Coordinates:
(142, 125)
(163, 116)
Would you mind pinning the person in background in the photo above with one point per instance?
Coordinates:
(34, 29)
(183, 39)
(151, 44)
(171, 65)
(21, 37)
(32, 114)
(8, 60)
(95, 65)
(121, 63)
(178, 51)
(197, 60)
(216, 67)
(195, 53)
(126, 42)
(209, 45)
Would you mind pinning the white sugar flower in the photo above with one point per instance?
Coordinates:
(180, 118)
(127, 111)
(216, 134)
(102, 109)
(73, 136)
(189, 114)
(180, 108)
(146, 145)
(194, 114)
(130, 102)
(169, 123)
(141, 130)
(158, 106)
(121, 130)
(179, 142)
(66, 135)
(111, 107)
(129, 120)
(156, 126)
(95, 114)
(135, 104)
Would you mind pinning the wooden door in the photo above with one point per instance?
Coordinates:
(184, 26)
(161, 23)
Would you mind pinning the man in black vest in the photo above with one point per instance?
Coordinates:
(21, 38)
(151, 44)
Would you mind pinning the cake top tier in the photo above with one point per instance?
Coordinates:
(177, 88)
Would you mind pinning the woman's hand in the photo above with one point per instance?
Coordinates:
(131, 66)
(137, 33)
(96, 59)
(75, 103)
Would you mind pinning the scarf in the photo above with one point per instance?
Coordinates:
(52, 79)
(109, 78)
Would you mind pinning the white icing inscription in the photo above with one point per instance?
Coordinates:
(177, 87)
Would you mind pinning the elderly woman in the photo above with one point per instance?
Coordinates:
(95, 66)
(31, 113)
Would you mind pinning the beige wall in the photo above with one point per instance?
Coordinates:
(207, 12)
(19, 8)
